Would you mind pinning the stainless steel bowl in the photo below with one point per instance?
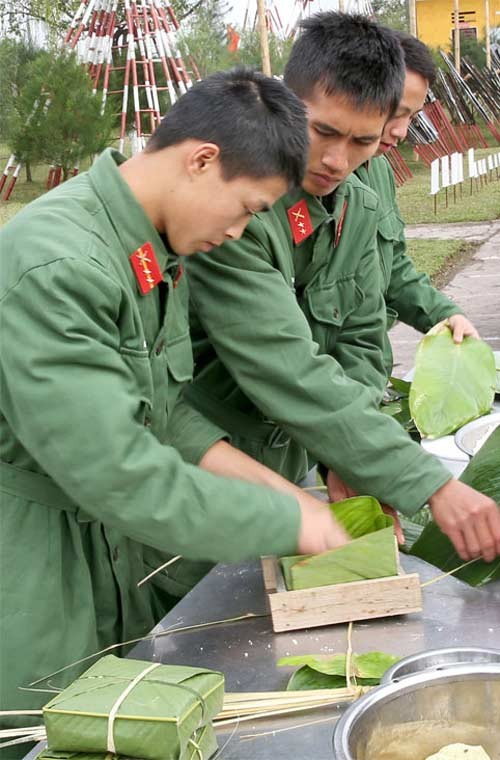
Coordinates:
(439, 659)
(462, 694)
(468, 436)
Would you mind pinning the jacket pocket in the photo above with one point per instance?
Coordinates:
(180, 359)
(332, 304)
(140, 380)
(387, 238)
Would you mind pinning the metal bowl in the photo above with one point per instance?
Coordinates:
(470, 435)
(439, 659)
(424, 706)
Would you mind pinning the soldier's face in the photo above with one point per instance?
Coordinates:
(341, 137)
(412, 102)
(219, 210)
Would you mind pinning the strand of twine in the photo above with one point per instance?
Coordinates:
(450, 572)
(158, 570)
(150, 637)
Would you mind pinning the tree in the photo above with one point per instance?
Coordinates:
(392, 13)
(59, 120)
(14, 57)
(205, 37)
(249, 52)
(16, 17)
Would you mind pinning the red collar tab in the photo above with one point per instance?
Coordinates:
(300, 222)
(180, 271)
(146, 268)
(340, 224)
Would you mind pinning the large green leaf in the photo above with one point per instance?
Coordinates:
(497, 363)
(360, 515)
(483, 474)
(319, 672)
(453, 383)
(371, 554)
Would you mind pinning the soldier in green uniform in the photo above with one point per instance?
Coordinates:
(409, 295)
(94, 350)
(289, 323)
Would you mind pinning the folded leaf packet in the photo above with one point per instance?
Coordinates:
(134, 709)
(201, 746)
(372, 553)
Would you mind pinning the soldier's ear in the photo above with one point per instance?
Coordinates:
(202, 158)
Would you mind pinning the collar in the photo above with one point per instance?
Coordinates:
(132, 225)
(317, 211)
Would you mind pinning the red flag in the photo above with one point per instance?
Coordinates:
(233, 39)
(300, 222)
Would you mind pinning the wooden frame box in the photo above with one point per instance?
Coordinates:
(340, 603)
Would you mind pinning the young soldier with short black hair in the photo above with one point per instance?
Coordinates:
(409, 295)
(94, 350)
(289, 323)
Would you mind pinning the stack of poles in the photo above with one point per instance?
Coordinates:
(399, 166)
(273, 20)
(147, 32)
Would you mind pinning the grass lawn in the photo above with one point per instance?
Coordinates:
(439, 258)
(417, 206)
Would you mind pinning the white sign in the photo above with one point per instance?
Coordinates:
(491, 165)
(472, 164)
(454, 168)
(445, 171)
(435, 176)
(460, 167)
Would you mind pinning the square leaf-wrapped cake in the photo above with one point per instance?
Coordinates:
(134, 708)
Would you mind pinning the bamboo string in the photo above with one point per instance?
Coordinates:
(158, 570)
(450, 572)
(248, 737)
(315, 488)
(348, 658)
(150, 637)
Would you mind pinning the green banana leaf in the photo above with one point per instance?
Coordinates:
(318, 672)
(371, 554)
(497, 364)
(413, 527)
(483, 474)
(401, 386)
(453, 383)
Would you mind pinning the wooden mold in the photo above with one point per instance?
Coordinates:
(324, 605)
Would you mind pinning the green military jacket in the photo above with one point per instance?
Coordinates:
(90, 371)
(409, 295)
(288, 344)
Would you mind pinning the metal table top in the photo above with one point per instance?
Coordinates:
(247, 651)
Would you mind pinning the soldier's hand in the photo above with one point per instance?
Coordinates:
(319, 531)
(337, 489)
(470, 519)
(461, 328)
(398, 530)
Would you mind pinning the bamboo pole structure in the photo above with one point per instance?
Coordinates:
(413, 17)
(264, 38)
(456, 13)
(487, 32)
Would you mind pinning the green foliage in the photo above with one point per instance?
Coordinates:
(321, 672)
(58, 118)
(205, 37)
(14, 58)
(483, 474)
(248, 54)
(55, 14)
(392, 13)
(454, 383)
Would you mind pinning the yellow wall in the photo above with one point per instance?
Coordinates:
(435, 19)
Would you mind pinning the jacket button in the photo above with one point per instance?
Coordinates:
(159, 347)
(147, 422)
(336, 313)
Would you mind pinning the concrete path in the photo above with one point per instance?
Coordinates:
(476, 289)
(470, 231)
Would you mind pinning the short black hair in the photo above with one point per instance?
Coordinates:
(347, 55)
(417, 56)
(259, 125)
